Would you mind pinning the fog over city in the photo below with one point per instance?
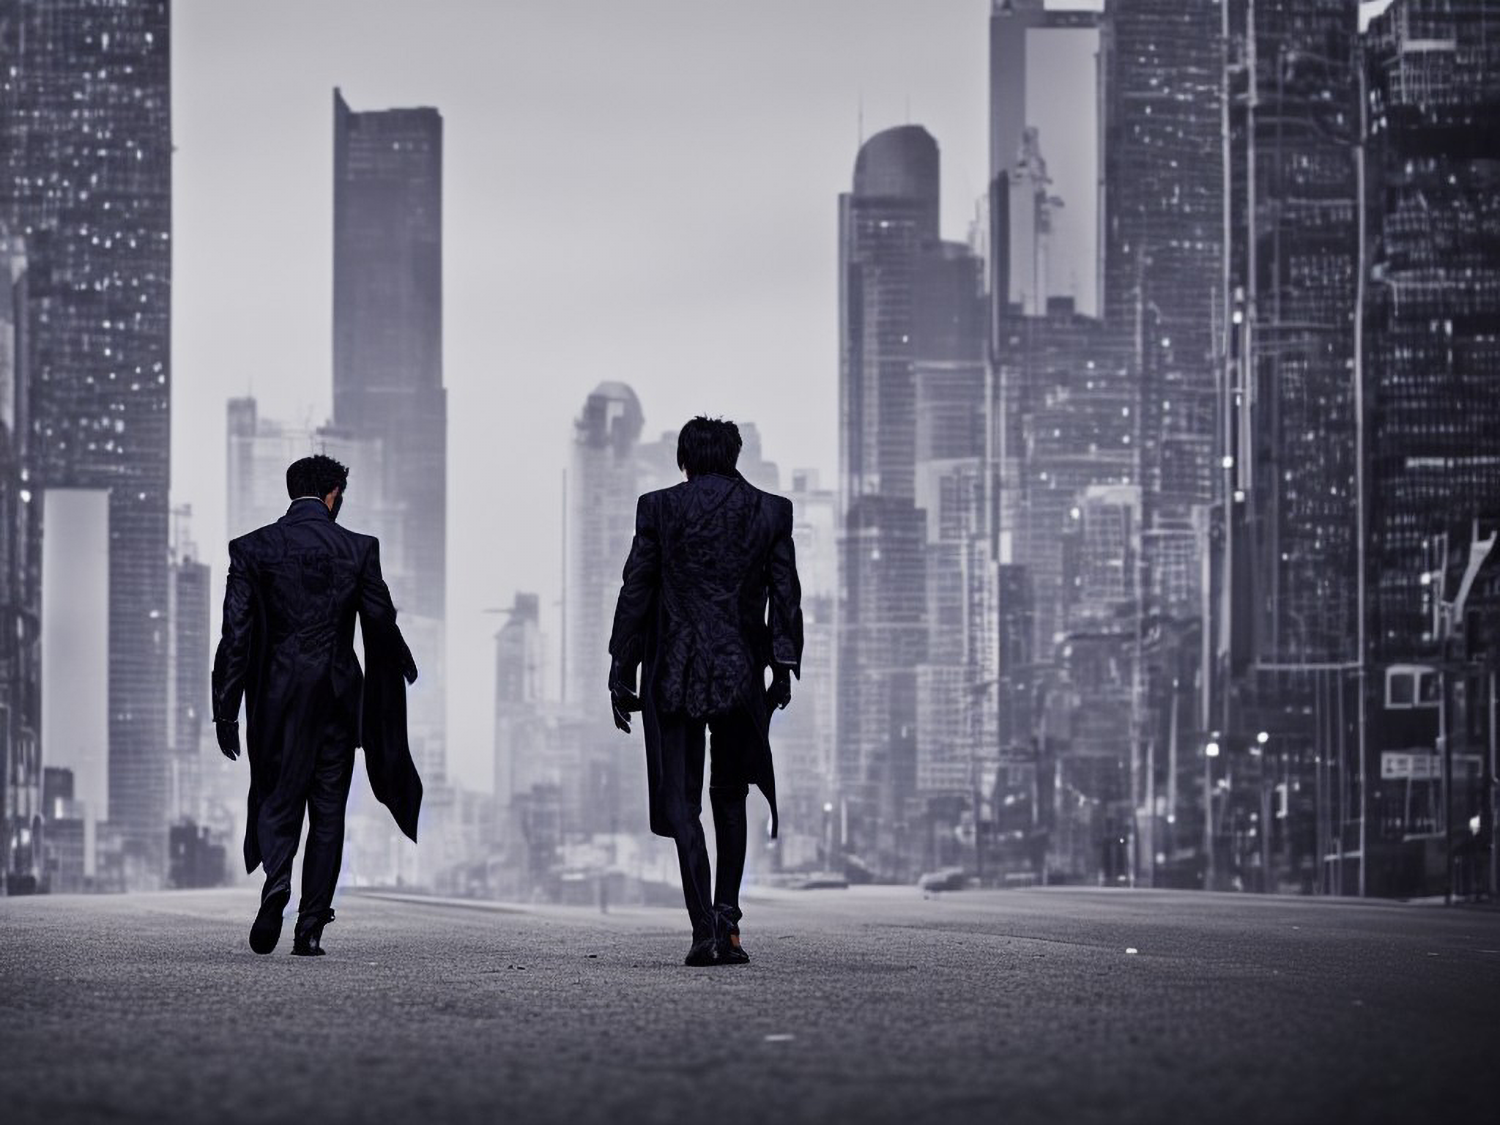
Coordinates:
(641, 192)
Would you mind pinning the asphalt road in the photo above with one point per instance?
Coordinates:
(867, 1005)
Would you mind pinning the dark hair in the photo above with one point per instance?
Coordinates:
(315, 476)
(708, 445)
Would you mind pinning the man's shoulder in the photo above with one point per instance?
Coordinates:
(276, 536)
(357, 537)
(773, 502)
(357, 543)
(252, 542)
(658, 496)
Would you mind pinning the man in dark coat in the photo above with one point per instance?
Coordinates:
(710, 600)
(294, 590)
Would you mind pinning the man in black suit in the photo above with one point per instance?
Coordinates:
(294, 590)
(710, 601)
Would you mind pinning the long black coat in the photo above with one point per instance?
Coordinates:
(710, 598)
(294, 589)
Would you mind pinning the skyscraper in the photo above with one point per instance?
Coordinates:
(1293, 264)
(388, 365)
(916, 626)
(85, 178)
(519, 739)
(956, 720)
(888, 222)
(601, 496)
(1164, 266)
(1431, 364)
(602, 792)
(803, 734)
(1434, 293)
(191, 653)
(21, 771)
(1284, 533)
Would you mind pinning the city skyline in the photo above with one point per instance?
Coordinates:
(551, 206)
(1077, 554)
(1086, 652)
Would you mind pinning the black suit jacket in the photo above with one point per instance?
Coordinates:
(287, 649)
(709, 599)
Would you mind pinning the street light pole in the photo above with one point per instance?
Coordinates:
(1489, 796)
(1265, 812)
(1210, 752)
(1447, 745)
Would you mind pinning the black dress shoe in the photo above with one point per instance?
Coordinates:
(701, 954)
(265, 932)
(310, 946)
(308, 940)
(727, 936)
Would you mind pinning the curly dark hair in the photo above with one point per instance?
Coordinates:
(317, 475)
(709, 445)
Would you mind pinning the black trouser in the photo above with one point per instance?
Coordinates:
(682, 741)
(326, 796)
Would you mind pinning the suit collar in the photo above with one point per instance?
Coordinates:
(307, 509)
(717, 480)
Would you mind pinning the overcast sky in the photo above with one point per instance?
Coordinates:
(641, 190)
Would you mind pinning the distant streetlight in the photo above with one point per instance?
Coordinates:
(1210, 752)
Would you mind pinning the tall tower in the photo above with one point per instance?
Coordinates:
(188, 687)
(1431, 362)
(21, 780)
(601, 792)
(888, 224)
(1432, 446)
(885, 225)
(1165, 275)
(1293, 268)
(956, 731)
(518, 699)
(600, 524)
(388, 362)
(85, 179)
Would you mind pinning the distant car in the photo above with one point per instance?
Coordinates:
(821, 881)
(944, 879)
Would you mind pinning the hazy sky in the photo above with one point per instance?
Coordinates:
(641, 190)
(1062, 103)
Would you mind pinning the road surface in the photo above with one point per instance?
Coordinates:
(865, 1005)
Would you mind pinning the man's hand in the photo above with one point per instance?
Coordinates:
(408, 665)
(779, 694)
(622, 697)
(229, 739)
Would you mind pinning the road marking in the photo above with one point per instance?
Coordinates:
(780, 1038)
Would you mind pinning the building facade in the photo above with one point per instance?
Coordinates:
(21, 815)
(85, 179)
(1431, 356)
(888, 224)
(388, 368)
